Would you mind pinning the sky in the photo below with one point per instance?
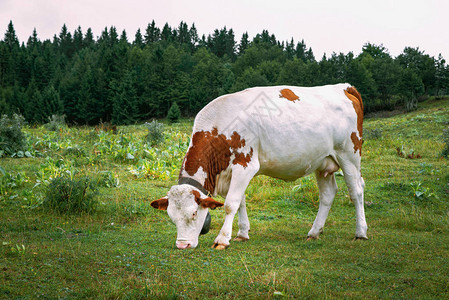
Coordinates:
(326, 26)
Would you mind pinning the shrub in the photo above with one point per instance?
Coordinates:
(8, 182)
(372, 134)
(174, 113)
(445, 152)
(56, 123)
(155, 132)
(12, 138)
(65, 195)
(108, 179)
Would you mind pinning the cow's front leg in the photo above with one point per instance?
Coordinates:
(235, 201)
(231, 206)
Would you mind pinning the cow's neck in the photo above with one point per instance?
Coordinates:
(208, 155)
(191, 181)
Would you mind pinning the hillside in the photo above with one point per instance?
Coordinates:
(125, 249)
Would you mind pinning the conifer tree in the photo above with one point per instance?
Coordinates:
(138, 41)
(125, 110)
(174, 113)
(152, 33)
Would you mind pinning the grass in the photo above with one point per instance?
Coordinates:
(125, 249)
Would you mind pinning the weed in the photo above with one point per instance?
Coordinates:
(9, 182)
(12, 138)
(56, 123)
(74, 150)
(427, 169)
(17, 250)
(65, 195)
(108, 179)
(155, 134)
(372, 134)
(409, 154)
(422, 193)
(52, 168)
(445, 152)
(31, 199)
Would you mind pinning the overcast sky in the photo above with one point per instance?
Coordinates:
(325, 25)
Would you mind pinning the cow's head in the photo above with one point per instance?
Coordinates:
(188, 209)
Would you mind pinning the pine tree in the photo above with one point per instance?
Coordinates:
(10, 36)
(174, 113)
(166, 34)
(244, 43)
(194, 39)
(125, 110)
(89, 39)
(183, 33)
(52, 101)
(78, 43)
(66, 42)
(152, 33)
(138, 41)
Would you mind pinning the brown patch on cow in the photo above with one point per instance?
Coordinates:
(243, 159)
(197, 196)
(356, 99)
(212, 152)
(357, 143)
(206, 202)
(289, 95)
(160, 204)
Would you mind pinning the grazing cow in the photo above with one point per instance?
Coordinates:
(284, 132)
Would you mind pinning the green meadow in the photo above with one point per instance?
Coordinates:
(120, 247)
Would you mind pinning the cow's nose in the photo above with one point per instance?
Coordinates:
(182, 245)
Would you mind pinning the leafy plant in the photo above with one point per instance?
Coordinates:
(108, 179)
(65, 195)
(409, 154)
(155, 133)
(52, 168)
(422, 193)
(12, 138)
(8, 182)
(17, 250)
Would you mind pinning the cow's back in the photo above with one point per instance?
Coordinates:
(290, 129)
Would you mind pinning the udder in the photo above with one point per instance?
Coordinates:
(328, 167)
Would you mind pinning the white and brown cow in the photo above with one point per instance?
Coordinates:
(284, 132)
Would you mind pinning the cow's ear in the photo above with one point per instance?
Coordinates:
(210, 203)
(206, 202)
(160, 204)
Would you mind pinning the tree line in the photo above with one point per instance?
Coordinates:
(111, 79)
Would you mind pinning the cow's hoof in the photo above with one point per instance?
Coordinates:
(364, 238)
(312, 238)
(241, 239)
(219, 246)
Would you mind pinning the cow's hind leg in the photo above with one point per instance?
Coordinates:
(243, 234)
(350, 164)
(235, 201)
(328, 188)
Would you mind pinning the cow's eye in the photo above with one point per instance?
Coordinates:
(194, 215)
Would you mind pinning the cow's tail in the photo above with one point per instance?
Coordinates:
(353, 91)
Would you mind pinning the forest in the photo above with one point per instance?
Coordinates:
(111, 79)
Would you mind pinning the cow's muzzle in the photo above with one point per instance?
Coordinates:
(206, 225)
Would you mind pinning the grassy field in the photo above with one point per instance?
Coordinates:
(126, 249)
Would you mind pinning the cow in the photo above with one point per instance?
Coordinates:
(284, 132)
